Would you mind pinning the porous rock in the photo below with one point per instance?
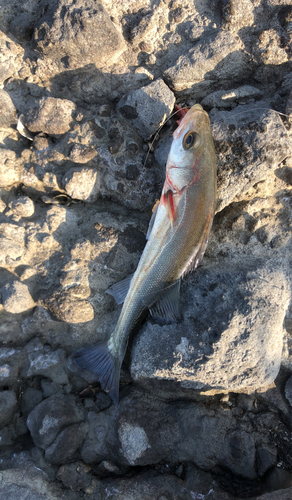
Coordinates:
(23, 206)
(8, 403)
(50, 115)
(217, 57)
(200, 352)
(8, 115)
(100, 427)
(224, 99)
(51, 416)
(75, 476)
(82, 184)
(148, 107)
(84, 34)
(250, 139)
(81, 154)
(10, 169)
(16, 297)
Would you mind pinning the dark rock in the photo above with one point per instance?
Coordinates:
(266, 458)
(49, 388)
(75, 476)
(83, 34)
(51, 416)
(66, 444)
(148, 107)
(288, 390)
(8, 404)
(94, 448)
(22, 27)
(30, 398)
(52, 116)
(8, 115)
(11, 361)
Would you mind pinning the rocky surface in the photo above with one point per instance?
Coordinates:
(205, 406)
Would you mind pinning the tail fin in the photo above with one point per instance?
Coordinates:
(99, 359)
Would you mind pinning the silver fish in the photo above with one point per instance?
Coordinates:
(177, 239)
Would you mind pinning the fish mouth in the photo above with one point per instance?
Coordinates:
(191, 116)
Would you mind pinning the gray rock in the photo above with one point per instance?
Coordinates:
(8, 404)
(284, 494)
(95, 448)
(11, 361)
(148, 107)
(82, 184)
(50, 115)
(22, 26)
(250, 301)
(238, 14)
(10, 169)
(47, 363)
(51, 416)
(250, 139)
(30, 398)
(75, 476)
(288, 390)
(85, 35)
(23, 206)
(268, 48)
(8, 115)
(225, 98)
(66, 444)
(218, 57)
(81, 154)
(16, 297)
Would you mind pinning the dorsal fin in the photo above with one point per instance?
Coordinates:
(167, 306)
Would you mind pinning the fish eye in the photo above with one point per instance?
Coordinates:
(191, 140)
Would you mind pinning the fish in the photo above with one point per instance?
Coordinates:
(176, 241)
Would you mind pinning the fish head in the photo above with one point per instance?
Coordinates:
(192, 149)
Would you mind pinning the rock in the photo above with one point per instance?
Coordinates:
(75, 476)
(11, 360)
(8, 115)
(148, 108)
(10, 169)
(66, 444)
(288, 390)
(22, 26)
(30, 398)
(23, 206)
(269, 49)
(16, 297)
(42, 361)
(224, 98)
(51, 116)
(216, 58)
(51, 416)
(94, 448)
(84, 35)
(8, 404)
(82, 184)
(245, 140)
(277, 495)
(199, 352)
(81, 154)
(238, 14)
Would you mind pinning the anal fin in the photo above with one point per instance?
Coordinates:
(167, 306)
(119, 290)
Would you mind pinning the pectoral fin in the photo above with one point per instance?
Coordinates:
(152, 220)
(119, 290)
(167, 307)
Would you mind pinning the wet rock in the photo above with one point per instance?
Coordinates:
(224, 98)
(288, 390)
(8, 404)
(75, 476)
(82, 184)
(66, 444)
(217, 57)
(8, 114)
(245, 142)
(51, 416)
(81, 154)
(148, 107)
(83, 35)
(23, 206)
(31, 398)
(16, 297)
(51, 116)
(201, 352)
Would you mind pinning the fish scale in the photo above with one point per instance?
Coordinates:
(179, 233)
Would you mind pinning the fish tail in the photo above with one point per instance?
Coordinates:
(100, 360)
